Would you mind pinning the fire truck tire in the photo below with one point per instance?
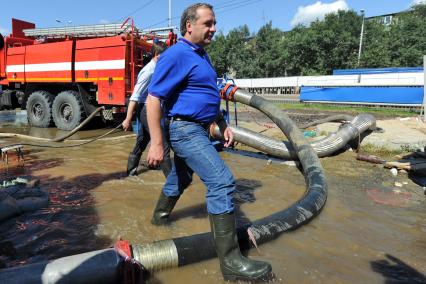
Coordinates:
(1, 41)
(67, 110)
(39, 109)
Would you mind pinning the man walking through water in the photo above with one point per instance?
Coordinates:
(138, 100)
(185, 81)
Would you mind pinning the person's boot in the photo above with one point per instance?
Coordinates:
(233, 264)
(132, 164)
(166, 166)
(163, 209)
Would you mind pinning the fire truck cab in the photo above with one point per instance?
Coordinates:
(62, 75)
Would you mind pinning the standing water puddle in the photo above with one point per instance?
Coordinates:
(92, 204)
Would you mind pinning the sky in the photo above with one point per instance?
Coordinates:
(147, 14)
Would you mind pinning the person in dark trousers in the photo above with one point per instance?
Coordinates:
(185, 82)
(137, 100)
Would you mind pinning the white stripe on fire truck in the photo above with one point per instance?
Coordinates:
(66, 66)
(100, 65)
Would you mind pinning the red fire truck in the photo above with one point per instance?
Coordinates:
(62, 75)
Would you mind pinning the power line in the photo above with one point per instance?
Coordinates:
(163, 21)
(219, 9)
(135, 11)
(235, 4)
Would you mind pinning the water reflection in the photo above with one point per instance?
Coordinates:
(92, 202)
(17, 118)
(67, 226)
(16, 122)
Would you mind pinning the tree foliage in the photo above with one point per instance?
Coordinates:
(332, 43)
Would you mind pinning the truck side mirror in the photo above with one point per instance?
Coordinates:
(1, 42)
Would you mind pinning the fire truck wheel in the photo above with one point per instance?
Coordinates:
(1, 42)
(67, 110)
(39, 109)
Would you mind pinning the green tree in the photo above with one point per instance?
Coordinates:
(240, 54)
(325, 45)
(269, 53)
(408, 38)
(218, 53)
(376, 43)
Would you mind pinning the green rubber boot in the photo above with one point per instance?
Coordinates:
(163, 209)
(132, 164)
(233, 264)
(166, 166)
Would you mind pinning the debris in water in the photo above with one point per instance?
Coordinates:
(389, 197)
(310, 133)
(370, 158)
(252, 238)
(18, 150)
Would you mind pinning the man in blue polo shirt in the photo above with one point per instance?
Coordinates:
(185, 81)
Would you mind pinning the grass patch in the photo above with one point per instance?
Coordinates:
(351, 109)
(383, 151)
(382, 111)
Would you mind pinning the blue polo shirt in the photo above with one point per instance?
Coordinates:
(185, 80)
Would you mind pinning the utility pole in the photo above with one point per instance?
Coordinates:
(170, 13)
(360, 37)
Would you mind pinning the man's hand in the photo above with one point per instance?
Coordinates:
(156, 152)
(226, 132)
(155, 155)
(228, 136)
(128, 120)
(126, 124)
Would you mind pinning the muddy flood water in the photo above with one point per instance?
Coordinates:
(370, 231)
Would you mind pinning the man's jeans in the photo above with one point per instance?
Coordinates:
(193, 152)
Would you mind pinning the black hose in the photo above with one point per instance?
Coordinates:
(185, 250)
(331, 118)
(72, 132)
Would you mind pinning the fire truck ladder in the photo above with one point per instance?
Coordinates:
(80, 31)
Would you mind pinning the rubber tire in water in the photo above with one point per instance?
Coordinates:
(67, 110)
(39, 109)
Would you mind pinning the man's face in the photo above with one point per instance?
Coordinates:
(202, 30)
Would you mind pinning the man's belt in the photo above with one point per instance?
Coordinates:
(205, 125)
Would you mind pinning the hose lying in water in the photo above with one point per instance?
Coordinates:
(68, 134)
(101, 266)
(78, 127)
(185, 250)
(323, 147)
(181, 251)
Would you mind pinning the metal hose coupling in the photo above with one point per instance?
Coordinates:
(157, 255)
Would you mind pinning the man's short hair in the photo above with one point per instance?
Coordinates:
(190, 14)
(158, 47)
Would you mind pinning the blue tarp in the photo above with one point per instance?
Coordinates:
(377, 70)
(391, 95)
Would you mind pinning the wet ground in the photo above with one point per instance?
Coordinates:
(370, 231)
